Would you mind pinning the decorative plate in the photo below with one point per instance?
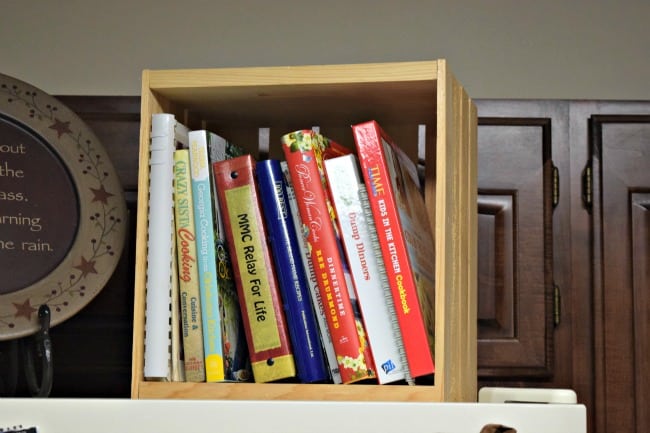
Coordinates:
(62, 210)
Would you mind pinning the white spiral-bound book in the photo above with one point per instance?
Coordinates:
(160, 253)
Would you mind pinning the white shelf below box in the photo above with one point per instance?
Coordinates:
(173, 416)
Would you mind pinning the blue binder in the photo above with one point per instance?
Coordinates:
(293, 283)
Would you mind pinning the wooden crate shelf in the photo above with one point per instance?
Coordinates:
(410, 100)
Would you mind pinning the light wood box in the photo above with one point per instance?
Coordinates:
(415, 102)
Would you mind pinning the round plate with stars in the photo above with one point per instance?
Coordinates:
(62, 210)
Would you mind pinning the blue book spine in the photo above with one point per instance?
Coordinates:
(283, 242)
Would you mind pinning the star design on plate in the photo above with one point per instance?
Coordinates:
(61, 127)
(100, 194)
(86, 267)
(24, 310)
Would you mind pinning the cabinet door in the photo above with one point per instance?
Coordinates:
(518, 191)
(620, 159)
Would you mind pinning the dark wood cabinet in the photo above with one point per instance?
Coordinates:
(515, 209)
(617, 204)
(563, 266)
(92, 350)
(523, 158)
(578, 304)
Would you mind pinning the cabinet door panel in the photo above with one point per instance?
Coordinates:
(515, 247)
(620, 148)
(496, 267)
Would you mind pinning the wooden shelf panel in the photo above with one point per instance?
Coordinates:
(286, 391)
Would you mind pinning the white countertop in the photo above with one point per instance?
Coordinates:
(176, 416)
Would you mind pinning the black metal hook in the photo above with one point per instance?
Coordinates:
(43, 351)
(28, 349)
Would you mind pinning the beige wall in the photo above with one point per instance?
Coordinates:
(497, 48)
